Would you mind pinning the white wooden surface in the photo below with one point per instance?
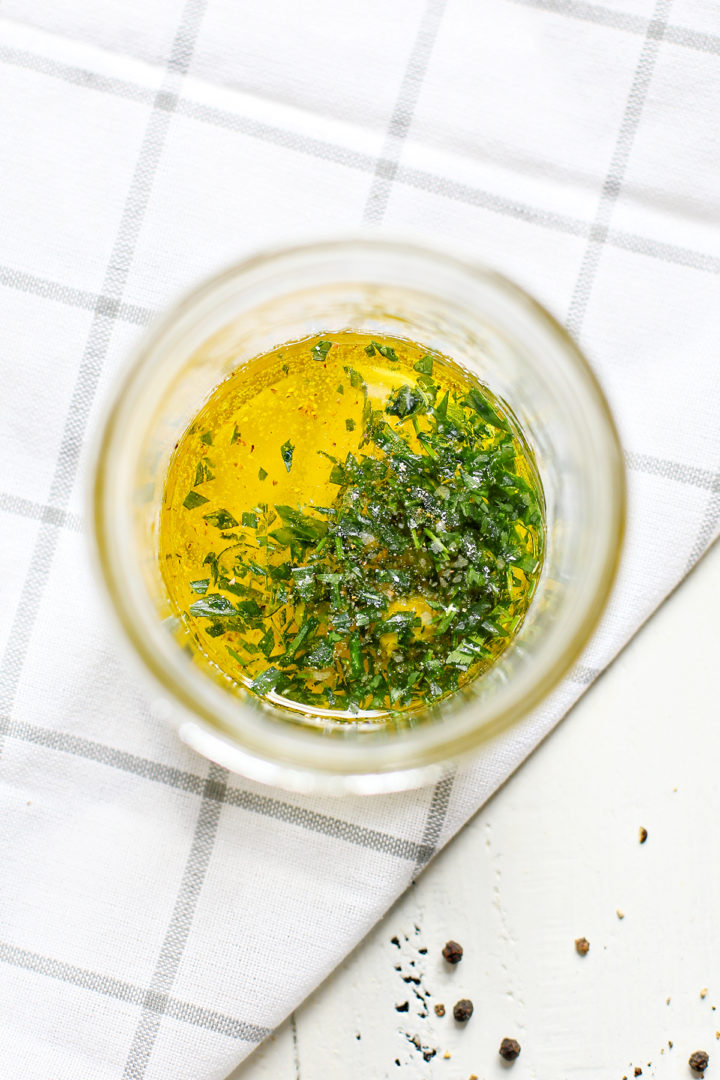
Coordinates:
(552, 857)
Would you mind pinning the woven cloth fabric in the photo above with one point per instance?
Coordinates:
(158, 917)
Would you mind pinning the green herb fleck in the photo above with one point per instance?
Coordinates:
(262, 475)
(207, 438)
(350, 424)
(385, 350)
(203, 472)
(286, 452)
(424, 365)
(321, 349)
(221, 519)
(193, 499)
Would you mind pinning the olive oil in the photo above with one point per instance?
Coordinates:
(352, 526)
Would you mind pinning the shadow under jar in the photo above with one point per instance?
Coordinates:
(388, 289)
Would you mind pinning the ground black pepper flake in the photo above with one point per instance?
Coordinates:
(582, 946)
(453, 952)
(463, 1010)
(638, 1071)
(395, 941)
(402, 1008)
(439, 1009)
(698, 1061)
(509, 1049)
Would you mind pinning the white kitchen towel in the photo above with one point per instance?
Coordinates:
(158, 917)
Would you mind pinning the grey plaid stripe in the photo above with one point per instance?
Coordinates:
(670, 253)
(437, 811)
(79, 298)
(288, 140)
(708, 526)
(184, 1011)
(177, 932)
(689, 475)
(385, 172)
(52, 515)
(96, 348)
(416, 178)
(487, 200)
(622, 20)
(613, 181)
(387, 164)
(88, 80)
(252, 803)
(105, 313)
(584, 675)
(335, 827)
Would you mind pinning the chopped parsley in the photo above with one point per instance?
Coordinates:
(411, 581)
(193, 499)
(321, 349)
(286, 452)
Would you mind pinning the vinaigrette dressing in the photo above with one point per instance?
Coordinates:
(352, 526)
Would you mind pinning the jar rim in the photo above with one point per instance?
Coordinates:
(306, 760)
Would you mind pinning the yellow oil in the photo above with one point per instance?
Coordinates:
(232, 457)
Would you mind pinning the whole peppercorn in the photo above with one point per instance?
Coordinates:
(463, 1010)
(582, 946)
(453, 952)
(509, 1049)
(643, 834)
(699, 1061)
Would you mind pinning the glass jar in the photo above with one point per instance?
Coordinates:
(385, 287)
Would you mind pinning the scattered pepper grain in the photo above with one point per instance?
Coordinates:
(509, 1049)
(698, 1061)
(463, 1010)
(582, 946)
(439, 1009)
(453, 952)
(643, 834)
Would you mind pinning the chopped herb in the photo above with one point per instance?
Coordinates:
(356, 379)
(321, 349)
(385, 350)
(207, 438)
(482, 406)
(268, 680)
(193, 499)
(424, 365)
(203, 472)
(416, 575)
(286, 452)
(235, 435)
(236, 656)
(212, 605)
(221, 519)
